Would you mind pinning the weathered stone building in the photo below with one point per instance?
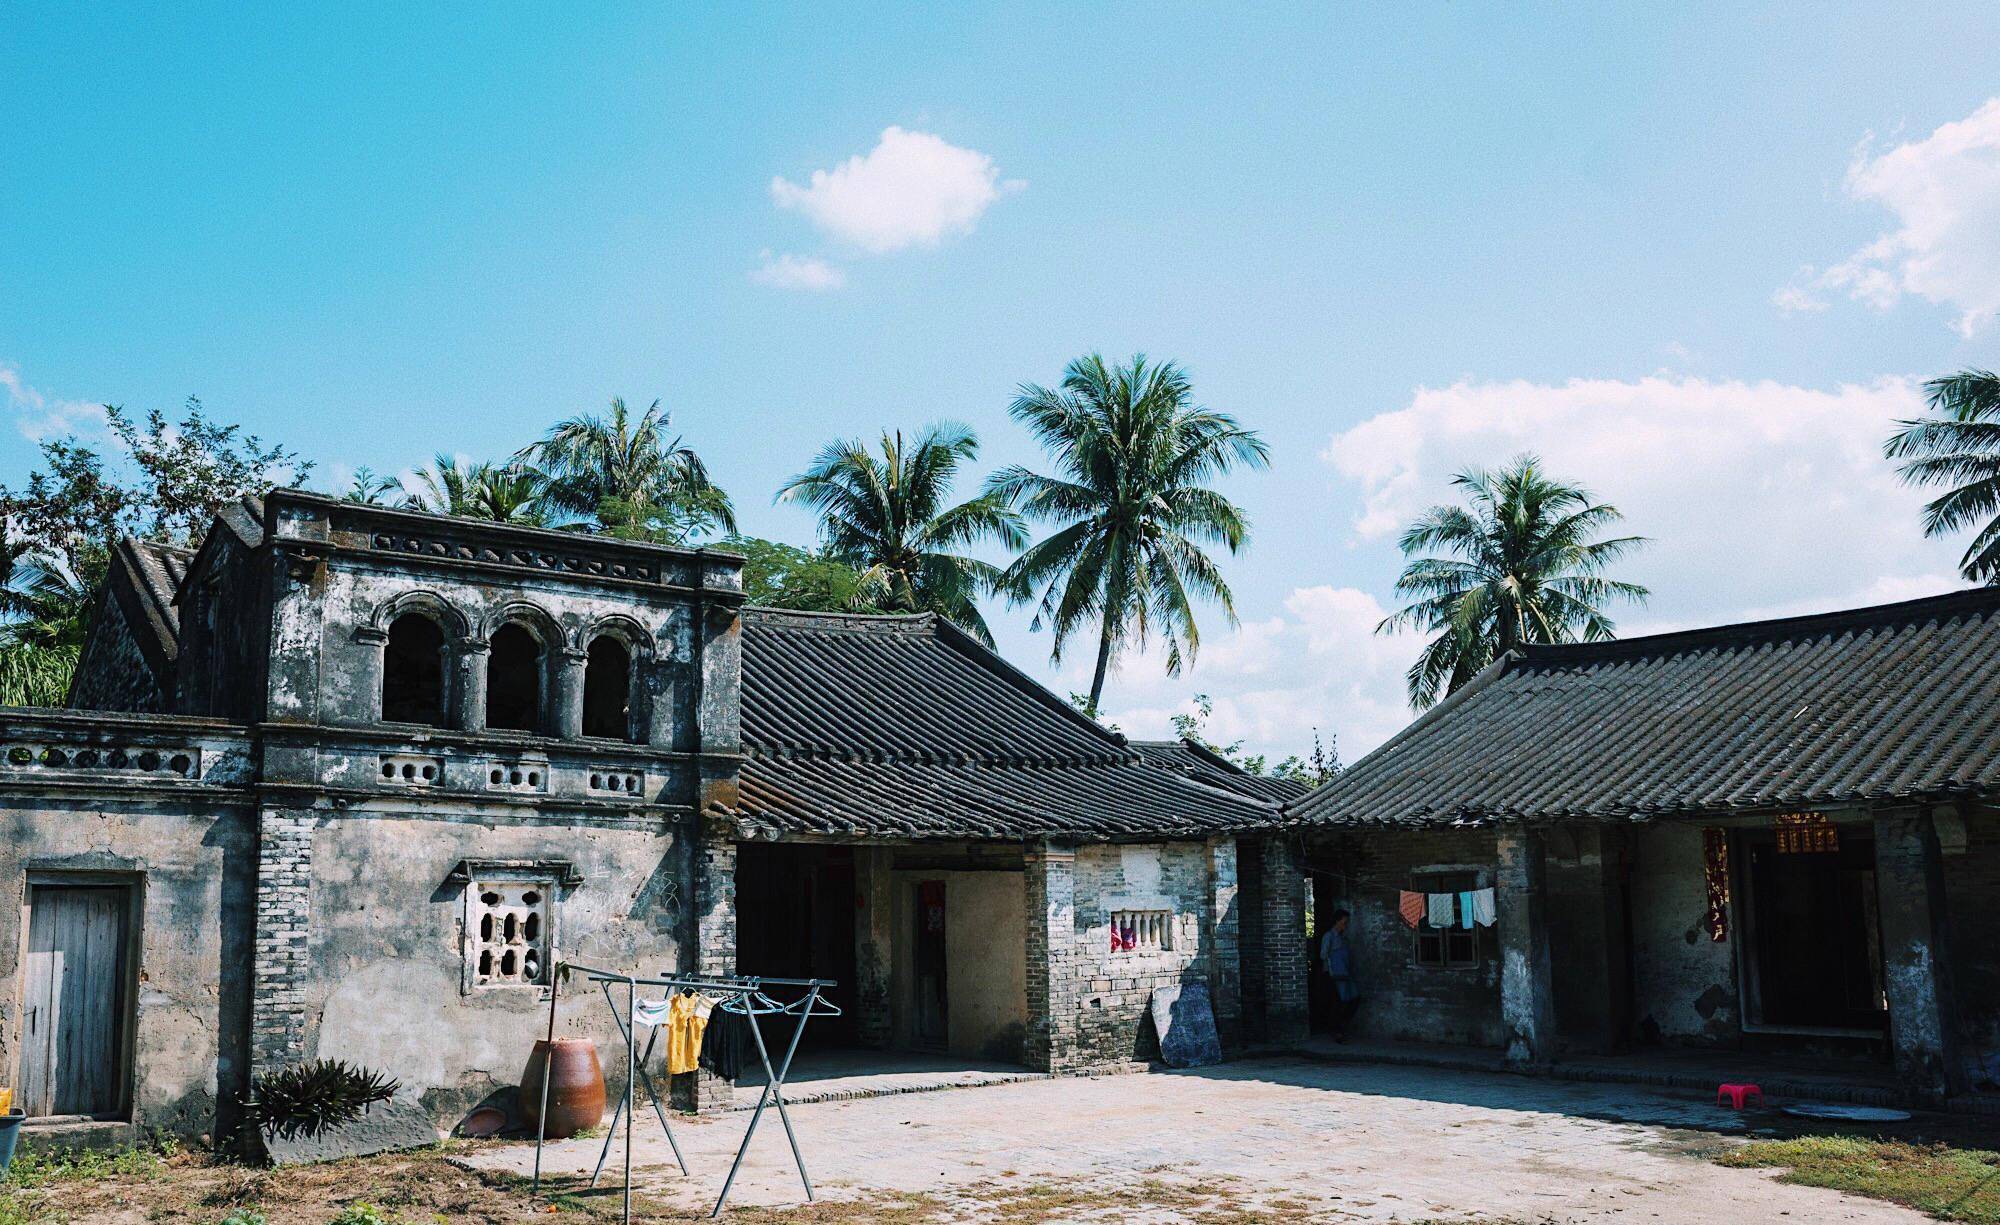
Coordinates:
(346, 780)
(1779, 836)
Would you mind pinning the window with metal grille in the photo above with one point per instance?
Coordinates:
(507, 928)
(1447, 948)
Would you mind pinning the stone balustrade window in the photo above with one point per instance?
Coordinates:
(1142, 931)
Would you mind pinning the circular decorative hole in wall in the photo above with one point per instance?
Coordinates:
(490, 898)
(495, 777)
(534, 778)
(532, 897)
(597, 781)
(514, 777)
(388, 769)
(181, 763)
(430, 772)
(117, 760)
(20, 756)
(632, 782)
(87, 758)
(409, 771)
(54, 757)
(149, 760)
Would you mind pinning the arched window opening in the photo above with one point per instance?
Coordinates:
(413, 671)
(514, 681)
(607, 690)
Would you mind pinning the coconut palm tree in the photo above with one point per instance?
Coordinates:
(1521, 566)
(622, 475)
(888, 518)
(1958, 446)
(1131, 508)
(477, 491)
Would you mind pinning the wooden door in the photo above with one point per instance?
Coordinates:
(73, 1014)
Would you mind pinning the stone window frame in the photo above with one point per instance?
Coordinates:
(557, 879)
(639, 656)
(1449, 878)
(1156, 922)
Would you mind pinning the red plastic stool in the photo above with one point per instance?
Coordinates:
(1735, 1096)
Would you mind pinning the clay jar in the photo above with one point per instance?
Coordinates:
(576, 1087)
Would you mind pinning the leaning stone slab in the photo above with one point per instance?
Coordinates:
(391, 1125)
(1184, 1018)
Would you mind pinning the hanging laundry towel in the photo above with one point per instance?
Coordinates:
(1483, 912)
(1411, 906)
(1440, 913)
(1465, 907)
(651, 1012)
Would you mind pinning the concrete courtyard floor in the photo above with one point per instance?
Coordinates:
(1278, 1138)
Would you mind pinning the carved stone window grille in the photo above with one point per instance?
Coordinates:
(1142, 931)
(509, 930)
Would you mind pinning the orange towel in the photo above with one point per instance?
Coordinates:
(1412, 907)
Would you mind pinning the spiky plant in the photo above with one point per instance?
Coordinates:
(305, 1099)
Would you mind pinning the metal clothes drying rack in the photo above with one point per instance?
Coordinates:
(743, 995)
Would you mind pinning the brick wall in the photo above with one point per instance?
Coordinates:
(714, 870)
(1115, 989)
(1401, 1000)
(279, 957)
(1050, 914)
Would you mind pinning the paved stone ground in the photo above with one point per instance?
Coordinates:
(831, 1076)
(1284, 1138)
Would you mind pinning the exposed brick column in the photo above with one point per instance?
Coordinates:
(1223, 931)
(714, 856)
(1527, 999)
(1916, 956)
(284, 882)
(1281, 956)
(1052, 957)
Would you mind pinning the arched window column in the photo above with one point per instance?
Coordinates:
(373, 640)
(472, 684)
(569, 693)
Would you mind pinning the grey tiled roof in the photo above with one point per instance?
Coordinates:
(905, 727)
(1895, 702)
(1207, 766)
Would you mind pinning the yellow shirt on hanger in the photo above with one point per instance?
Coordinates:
(687, 1020)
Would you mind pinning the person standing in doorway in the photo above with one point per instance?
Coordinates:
(1337, 961)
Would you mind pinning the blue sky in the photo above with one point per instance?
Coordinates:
(1697, 255)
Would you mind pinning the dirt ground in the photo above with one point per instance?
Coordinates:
(1253, 1141)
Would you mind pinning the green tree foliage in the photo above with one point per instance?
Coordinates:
(622, 475)
(1957, 448)
(56, 531)
(1521, 565)
(33, 675)
(1132, 508)
(368, 489)
(889, 517)
(779, 575)
(503, 494)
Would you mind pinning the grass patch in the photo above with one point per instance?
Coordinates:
(33, 1169)
(1951, 1184)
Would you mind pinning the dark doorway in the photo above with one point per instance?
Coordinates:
(932, 1031)
(413, 671)
(795, 913)
(514, 681)
(607, 690)
(1813, 933)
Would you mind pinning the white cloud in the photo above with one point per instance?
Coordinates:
(39, 416)
(798, 272)
(1317, 666)
(1945, 247)
(911, 189)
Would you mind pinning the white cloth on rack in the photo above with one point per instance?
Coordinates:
(1483, 910)
(1441, 909)
(649, 1013)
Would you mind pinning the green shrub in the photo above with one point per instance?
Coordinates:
(244, 1216)
(361, 1212)
(306, 1099)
